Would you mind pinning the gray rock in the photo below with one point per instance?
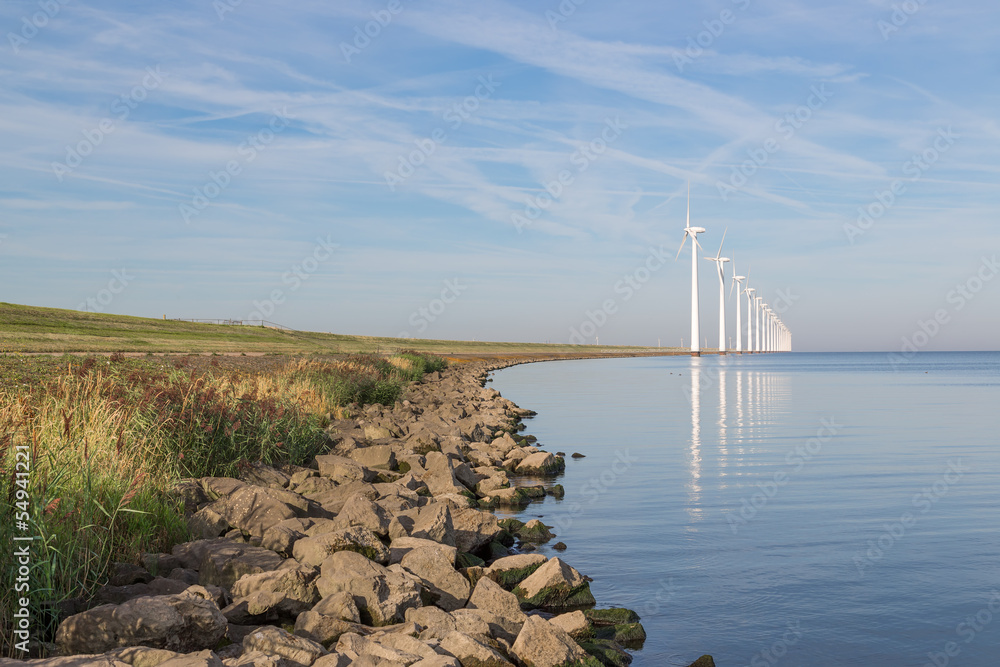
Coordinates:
(322, 629)
(471, 653)
(342, 469)
(181, 623)
(296, 651)
(544, 644)
(382, 595)
(262, 475)
(339, 605)
(443, 586)
(575, 624)
(361, 511)
(474, 529)
(376, 457)
(434, 522)
(314, 550)
(403, 545)
(200, 659)
(503, 608)
(554, 585)
(282, 536)
(223, 564)
(288, 591)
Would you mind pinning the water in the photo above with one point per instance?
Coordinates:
(795, 509)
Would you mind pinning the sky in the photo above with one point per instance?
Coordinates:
(507, 171)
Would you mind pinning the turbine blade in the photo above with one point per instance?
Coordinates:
(731, 288)
(719, 254)
(689, 204)
(682, 246)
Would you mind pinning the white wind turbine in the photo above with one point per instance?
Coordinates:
(750, 297)
(756, 301)
(720, 263)
(695, 246)
(737, 285)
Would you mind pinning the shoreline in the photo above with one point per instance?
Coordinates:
(387, 548)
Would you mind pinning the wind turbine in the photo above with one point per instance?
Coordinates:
(738, 282)
(750, 297)
(720, 263)
(756, 301)
(695, 246)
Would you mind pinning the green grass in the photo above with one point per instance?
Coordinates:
(109, 436)
(36, 329)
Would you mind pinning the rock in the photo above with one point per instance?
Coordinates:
(382, 595)
(282, 536)
(310, 487)
(313, 551)
(556, 491)
(137, 656)
(471, 653)
(503, 611)
(219, 487)
(182, 623)
(403, 545)
(322, 629)
(396, 649)
(342, 469)
(254, 509)
(223, 564)
(296, 651)
(703, 661)
(560, 546)
(433, 618)
(253, 659)
(577, 455)
(544, 644)
(259, 474)
(575, 624)
(440, 476)
(434, 522)
(554, 585)
(607, 652)
(376, 457)
(443, 586)
(627, 634)
(542, 463)
(474, 529)
(613, 616)
(511, 497)
(437, 661)
(361, 511)
(125, 574)
(512, 570)
(120, 594)
(200, 659)
(208, 522)
(288, 591)
(339, 605)
(535, 531)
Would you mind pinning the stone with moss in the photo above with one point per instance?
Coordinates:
(555, 585)
(535, 531)
(607, 652)
(629, 634)
(465, 560)
(612, 616)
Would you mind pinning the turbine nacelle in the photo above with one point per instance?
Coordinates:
(694, 230)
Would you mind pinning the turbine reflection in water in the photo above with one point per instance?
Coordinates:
(694, 485)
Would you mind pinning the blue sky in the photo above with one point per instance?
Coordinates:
(237, 158)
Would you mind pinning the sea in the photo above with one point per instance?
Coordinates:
(781, 509)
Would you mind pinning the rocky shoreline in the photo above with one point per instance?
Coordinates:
(384, 552)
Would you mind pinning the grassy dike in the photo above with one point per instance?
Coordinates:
(106, 437)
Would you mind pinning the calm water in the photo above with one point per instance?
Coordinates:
(795, 509)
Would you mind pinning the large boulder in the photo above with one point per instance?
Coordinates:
(434, 522)
(544, 644)
(376, 457)
(254, 509)
(226, 561)
(361, 511)
(314, 550)
(282, 536)
(382, 595)
(542, 463)
(474, 528)
(295, 651)
(183, 623)
(554, 585)
(440, 476)
(502, 609)
(342, 469)
(512, 570)
(443, 585)
(470, 652)
(288, 591)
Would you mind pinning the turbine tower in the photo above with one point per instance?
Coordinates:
(737, 285)
(695, 246)
(750, 297)
(756, 301)
(720, 263)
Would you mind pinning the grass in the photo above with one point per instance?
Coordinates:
(109, 436)
(53, 330)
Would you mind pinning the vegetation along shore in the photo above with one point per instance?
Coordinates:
(322, 510)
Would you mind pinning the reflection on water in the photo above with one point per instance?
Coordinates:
(710, 435)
